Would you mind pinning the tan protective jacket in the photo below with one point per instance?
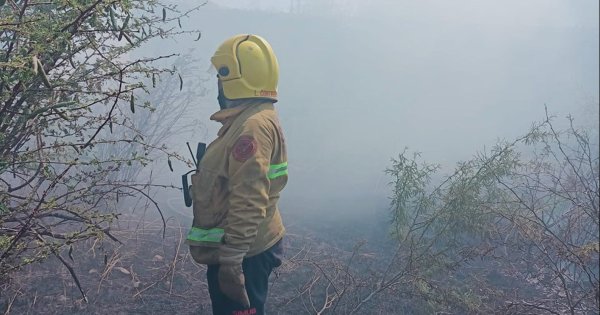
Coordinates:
(236, 187)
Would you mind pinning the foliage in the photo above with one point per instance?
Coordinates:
(527, 210)
(68, 80)
(514, 230)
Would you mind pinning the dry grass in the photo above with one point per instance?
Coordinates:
(144, 274)
(151, 275)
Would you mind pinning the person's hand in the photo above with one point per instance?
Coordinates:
(232, 283)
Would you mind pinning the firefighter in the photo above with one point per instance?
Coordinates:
(237, 229)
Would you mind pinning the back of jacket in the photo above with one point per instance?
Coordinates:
(236, 188)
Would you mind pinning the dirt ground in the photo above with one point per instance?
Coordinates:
(149, 274)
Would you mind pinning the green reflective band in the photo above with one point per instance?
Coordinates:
(277, 170)
(202, 235)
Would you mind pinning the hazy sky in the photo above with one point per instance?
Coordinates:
(361, 80)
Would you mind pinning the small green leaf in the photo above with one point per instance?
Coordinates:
(132, 103)
(113, 20)
(75, 148)
(61, 114)
(122, 31)
(128, 38)
(3, 208)
(126, 22)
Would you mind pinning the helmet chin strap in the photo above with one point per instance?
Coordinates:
(223, 101)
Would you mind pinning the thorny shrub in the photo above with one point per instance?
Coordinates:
(70, 88)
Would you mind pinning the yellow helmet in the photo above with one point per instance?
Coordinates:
(247, 68)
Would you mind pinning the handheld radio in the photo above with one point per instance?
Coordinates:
(200, 150)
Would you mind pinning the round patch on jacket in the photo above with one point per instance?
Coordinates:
(244, 148)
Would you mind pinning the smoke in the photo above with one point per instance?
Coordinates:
(363, 80)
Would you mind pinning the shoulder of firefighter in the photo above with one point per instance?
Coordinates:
(236, 188)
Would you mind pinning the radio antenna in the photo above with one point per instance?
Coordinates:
(193, 157)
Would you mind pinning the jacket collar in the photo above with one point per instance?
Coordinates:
(227, 116)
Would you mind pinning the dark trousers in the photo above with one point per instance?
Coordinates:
(256, 271)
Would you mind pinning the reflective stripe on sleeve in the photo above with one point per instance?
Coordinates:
(202, 235)
(277, 170)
